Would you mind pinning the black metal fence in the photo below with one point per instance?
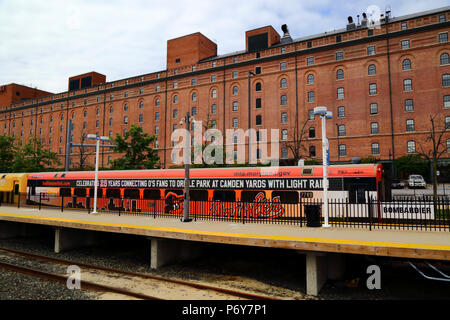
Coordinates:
(408, 214)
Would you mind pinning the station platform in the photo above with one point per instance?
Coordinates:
(171, 238)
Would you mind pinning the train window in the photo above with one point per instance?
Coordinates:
(178, 192)
(99, 192)
(249, 196)
(198, 195)
(16, 189)
(113, 193)
(307, 171)
(152, 194)
(65, 192)
(286, 196)
(131, 194)
(224, 195)
(80, 192)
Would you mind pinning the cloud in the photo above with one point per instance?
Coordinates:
(43, 43)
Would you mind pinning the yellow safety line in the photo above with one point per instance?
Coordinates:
(244, 235)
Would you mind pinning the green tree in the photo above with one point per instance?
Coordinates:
(138, 154)
(7, 153)
(410, 164)
(33, 157)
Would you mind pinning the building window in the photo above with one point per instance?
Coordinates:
(111, 109)
(339, 56)
(283, 100)
(141, 118)
(110, 122)
(258, 86)
(258, 69)
(443, 37)
(283, 83)
(235, 106)
(156, 116)
(125, 108)
(309, 44)
(157, 88)
(194, 111)
(374, 128)
(235, 91)
(141, 105)
(312, 151)
(372, 89)
(406, 64)
(370, 50)
(310, 79)
(446, 80)
(175, 113)
(341, 130)
(258, 120)
(175, 84)
(194, 96)
(407, 85)
(235, 74)
(284, 134)
(448, 145)
(342, 150)
(310, 61)
(372, 70)
(340, 74)
(340, 93)
(375, 148)
(141, 91)
(235, 122)
(311, 114)
(175, 99)
(125, 119)
(84, 126)
(310, 96)
(258, 103)
(442, 17)
(373, 108)
(214, 94)
(447, 122)
(404, 25)
(411, 146)
(156, 130)
(405, 44)
(446, 102)
(312, 132)
(445, 59)
(157, 102)
(213, 78)
(283, 66)
(213, 109)
(284, 117)
(284, 152)
(341, 112)
(193, 81)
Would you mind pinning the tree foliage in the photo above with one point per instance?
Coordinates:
(138, 153)
(33, 157)
(7, 153)
(410, 164)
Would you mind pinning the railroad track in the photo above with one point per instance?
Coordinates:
(179, 285)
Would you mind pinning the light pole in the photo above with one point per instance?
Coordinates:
(93, 136)
(324, 114)
(187, 166)
(249, 116)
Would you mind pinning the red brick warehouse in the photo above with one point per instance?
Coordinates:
(381, 84)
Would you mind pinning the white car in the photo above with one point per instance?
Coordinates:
(416, 181)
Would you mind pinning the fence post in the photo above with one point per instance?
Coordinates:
(62, 203)
(120, 205)
(370, 211)
(18, 201)
(40, 199)
(243, 216)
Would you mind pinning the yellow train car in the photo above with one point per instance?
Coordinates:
(11, 184)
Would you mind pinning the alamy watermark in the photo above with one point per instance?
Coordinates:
(374, 280)
(74, 279)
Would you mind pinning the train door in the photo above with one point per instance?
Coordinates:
(357, 193)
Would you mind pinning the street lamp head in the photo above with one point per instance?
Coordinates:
(92, 136)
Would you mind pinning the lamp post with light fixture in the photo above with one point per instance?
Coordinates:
(187, 165)
(95, 137)
(324, 114)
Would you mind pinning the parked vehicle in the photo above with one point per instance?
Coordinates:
(416, 181)
(398, 184)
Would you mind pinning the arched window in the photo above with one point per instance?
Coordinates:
(125, 108)
(445, 59)
(372, 70)
(283, 83)
(214, 93)
(235, 91)
(406, 64)
(141, 105)
(340, 74)
(310, 79)
(157, 102)
(258, 86)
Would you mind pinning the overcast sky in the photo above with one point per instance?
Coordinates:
(43, 43)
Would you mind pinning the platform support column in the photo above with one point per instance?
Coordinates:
(167, 251)
(66, 239)
(316, 272)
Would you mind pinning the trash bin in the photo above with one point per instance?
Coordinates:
(312, 213)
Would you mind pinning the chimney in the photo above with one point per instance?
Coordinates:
(286, 36)
(364, 20)
(351, 25)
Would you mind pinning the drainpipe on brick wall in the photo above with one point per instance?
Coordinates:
(390, 95)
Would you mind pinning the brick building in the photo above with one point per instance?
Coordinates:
(381, 84)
